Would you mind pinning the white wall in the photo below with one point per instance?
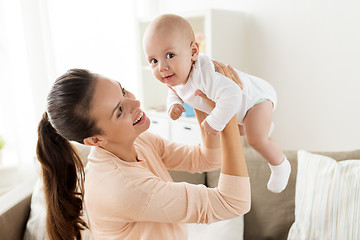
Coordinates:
(310, 52)
(40, 40)
(95, 35)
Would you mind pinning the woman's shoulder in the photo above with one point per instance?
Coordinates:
(148, 137)
(152, 142)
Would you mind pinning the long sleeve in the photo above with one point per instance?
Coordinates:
(172, 99)
(226, 94)
(183, 202)
(182, 157)
(229, 97)
(139, 200)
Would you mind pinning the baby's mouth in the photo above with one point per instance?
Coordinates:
(138, 119)
(169, 77)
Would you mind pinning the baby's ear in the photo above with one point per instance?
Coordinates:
(194, 51)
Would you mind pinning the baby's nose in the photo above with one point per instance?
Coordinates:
(163, 66)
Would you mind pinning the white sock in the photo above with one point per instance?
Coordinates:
(279, 176)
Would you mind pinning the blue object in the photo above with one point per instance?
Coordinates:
(189, 111)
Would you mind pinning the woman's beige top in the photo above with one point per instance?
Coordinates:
(139, 200)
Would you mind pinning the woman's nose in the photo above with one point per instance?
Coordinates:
(134, 104)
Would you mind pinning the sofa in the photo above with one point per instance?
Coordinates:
(272, 215)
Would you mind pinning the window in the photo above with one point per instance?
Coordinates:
(39, 41)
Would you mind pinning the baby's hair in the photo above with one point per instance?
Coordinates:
(172, 22)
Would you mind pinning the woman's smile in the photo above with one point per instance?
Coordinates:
(140, 118)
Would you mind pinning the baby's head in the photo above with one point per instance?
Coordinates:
(170, 48)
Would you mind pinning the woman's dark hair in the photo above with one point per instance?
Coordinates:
(67, 119)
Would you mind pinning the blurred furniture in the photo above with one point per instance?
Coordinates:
(270, 217)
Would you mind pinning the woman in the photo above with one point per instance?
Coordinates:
(129, 193)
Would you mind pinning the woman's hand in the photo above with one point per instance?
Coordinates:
(208, 129)
(228, 71)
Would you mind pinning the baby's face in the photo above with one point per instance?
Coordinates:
(170, 56)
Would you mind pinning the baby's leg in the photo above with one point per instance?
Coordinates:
(241, 130)
(257, 123)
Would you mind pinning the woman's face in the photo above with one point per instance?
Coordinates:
(117, 113)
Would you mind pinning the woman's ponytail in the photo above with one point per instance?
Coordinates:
(67, 119)
(63, 176)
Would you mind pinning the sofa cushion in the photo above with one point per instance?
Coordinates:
(14, 210)
(327, 198)
(230, 229)
(272, 214)
(36, 224)
(193, 178)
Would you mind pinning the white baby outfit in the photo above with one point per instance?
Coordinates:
(229, 98)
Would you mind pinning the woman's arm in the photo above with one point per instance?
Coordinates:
(232, 160)
(232, 154)
(208, 140)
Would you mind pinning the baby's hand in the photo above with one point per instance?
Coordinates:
(208, 129)
(176, 110)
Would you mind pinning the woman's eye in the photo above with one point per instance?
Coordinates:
(120, 112)
(123, 91)
(153, 61)
(170, 55)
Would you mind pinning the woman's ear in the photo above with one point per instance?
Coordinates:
(194, 51)
(94, 141)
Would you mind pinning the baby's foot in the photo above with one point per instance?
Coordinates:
(279, 176)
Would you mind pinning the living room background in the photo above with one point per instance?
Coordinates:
(308, 50)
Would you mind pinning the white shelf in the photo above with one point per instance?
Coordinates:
(184, 130)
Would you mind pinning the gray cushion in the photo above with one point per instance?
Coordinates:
(13, 222)
(194, 178)
(272, 214)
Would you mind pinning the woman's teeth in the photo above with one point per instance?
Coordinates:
(139, 118)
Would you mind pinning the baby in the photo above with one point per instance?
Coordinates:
(173, 55)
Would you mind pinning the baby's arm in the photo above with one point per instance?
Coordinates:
(174, 104)
(205, 126)
(176, 110)
(228, 97)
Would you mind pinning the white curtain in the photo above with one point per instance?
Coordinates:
(40, 40)
(17, 105)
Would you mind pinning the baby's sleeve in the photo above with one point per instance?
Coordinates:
(172, 99)
(227, 95)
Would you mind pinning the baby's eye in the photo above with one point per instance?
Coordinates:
(123, 91)
(170, 55)
(153, 61)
